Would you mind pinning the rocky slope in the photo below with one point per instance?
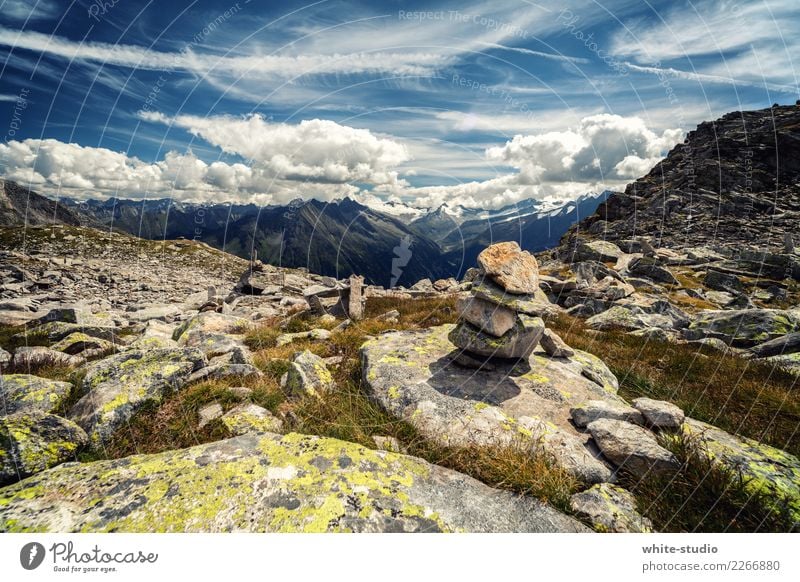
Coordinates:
(733, 181)
(18, 205)
(136, 326)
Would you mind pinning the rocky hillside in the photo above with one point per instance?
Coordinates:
(733, 181)
(18, 205)
(225, 395)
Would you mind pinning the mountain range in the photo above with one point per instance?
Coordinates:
(389, 243)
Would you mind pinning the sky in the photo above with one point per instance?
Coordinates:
(476, 103)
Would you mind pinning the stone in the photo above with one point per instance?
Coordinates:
(78, 343)
(391, 316)
(597, 250)
(628, 318)
(766, 471)
(423, 285)
(651, 334)
(308, 374)
(535, 304)
(211, 322)
(33, 441)
(209, 412)
(251, 418)
(355, 301)
(489, 317)
(588, 412)
(314, 334)
(609, 508)
(270, 483)
(649, 268)
(413, 375)
(659, 413)
(743, 328)
(723, 282)
(513, 269)
(5, 358)
(118, 386)
(26, 393)
(631, 447)
(387, 443)
(27, 357)
(518, 342)
(554, 346)
(444, 285)
(784, 345)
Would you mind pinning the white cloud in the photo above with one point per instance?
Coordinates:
(22, 10)
(317, 149)
(88, 172)
(324, 160)
(602, 147)
(749, 42)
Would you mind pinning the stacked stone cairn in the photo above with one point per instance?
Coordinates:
(501, 317)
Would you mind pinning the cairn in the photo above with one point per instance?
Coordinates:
(501, 317)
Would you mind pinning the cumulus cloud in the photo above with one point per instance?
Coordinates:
(88, 172)
(319, 150)
(325, 160)
(602, 147)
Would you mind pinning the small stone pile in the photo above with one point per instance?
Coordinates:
(502, 315)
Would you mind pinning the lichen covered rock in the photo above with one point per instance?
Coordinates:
(251, 418)
(118, 386)
(308, 374)
(415, 376)
(269, 483)
(632, 447)
(745, 327)
(26, 393)
(609, 508)
(765, 470)
(518, 342)
(33, 441)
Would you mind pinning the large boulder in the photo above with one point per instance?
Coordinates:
(649, 268)
(415, 376)
(26, 393)
(587, 412)
(766, 471)
(659, 413)
(597, 250)
(518, 342)
(117, 387)
(513, 269)
(628, 318)
(26, 357)
(632, 447)
(33, 441)
(270, 483)
(745, 327)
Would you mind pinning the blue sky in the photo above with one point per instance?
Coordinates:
(480, 103)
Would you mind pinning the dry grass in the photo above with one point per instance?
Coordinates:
(705, 497)
(741, 396)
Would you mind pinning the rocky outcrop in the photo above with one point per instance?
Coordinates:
(26, 393)
(117, 387)
(269, 483)
(414, 375)
(33, 441)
